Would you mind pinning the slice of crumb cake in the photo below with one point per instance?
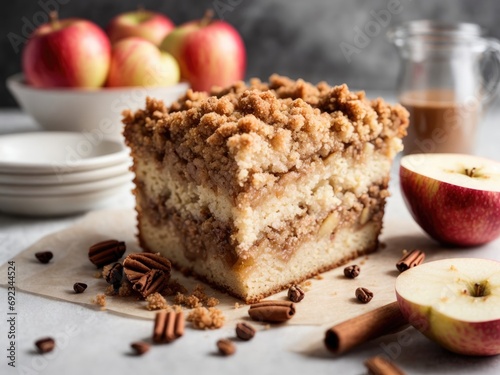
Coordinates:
(254, 188)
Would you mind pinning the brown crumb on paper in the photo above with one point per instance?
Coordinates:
(306, 285)
(212, 302)
(110, 291)
(237, 305)
(318, 277)
(100, 300)
(188, 301)
(98, 274)
(156, 302)
(203, 318)
(125, 289)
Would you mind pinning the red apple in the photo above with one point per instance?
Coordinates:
(142, 23)
(67, 53)
(455, 302)
(138, 62)
(455, 198)
(209, 53)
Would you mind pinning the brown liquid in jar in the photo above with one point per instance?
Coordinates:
(439, 123)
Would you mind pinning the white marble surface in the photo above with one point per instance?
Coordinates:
(93, 342)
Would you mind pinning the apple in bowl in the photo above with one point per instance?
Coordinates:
(209, 52)
(67, 53)
(141, 23)
(455, 198)
(454, 302)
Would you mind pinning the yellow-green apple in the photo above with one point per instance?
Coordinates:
(210, 53)
(67, 53)
(142, 23)
(454, 302)
(138, 62)
(455, 198)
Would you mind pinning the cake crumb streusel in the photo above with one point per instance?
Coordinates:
(203, 318)
(156, 302)
(100, 300)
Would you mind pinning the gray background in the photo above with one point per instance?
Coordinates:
(298, 38)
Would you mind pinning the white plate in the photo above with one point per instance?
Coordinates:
(56, 190)
(65, 178)
(58, 152)
(64, 204)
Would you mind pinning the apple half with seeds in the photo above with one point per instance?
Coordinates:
(454, 302)
(455, 198)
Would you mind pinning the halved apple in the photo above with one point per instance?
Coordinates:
(454, 302)
(455, 198)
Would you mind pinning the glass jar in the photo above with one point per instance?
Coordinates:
(448, 73)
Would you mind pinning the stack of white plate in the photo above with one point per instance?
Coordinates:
(58, 173)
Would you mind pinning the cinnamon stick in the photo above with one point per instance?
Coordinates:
(346, 335)
(380, 366)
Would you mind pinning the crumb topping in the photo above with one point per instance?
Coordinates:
(256, 133)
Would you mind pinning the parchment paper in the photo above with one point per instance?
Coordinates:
(329, 300)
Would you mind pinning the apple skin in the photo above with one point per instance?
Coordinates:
(144, 24)
(452, 215)
(138, 62)
(67, 53)
(209, 53)
(467, 338)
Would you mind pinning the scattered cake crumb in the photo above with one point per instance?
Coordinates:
(318, 277)
(212, 302)
(98, 274)
(156, 302)
(267, 327)
(203, 318)
(110, 290)
(405, 251)
(306, 285)
(453, 268)
(125, 289)
(237, 305)
(100, 300)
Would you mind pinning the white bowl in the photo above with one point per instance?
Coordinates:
(58, 153)
(66, 204)
(64, 178)
(86, 110)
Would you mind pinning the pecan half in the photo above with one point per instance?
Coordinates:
(79, 287)
(295, 293)
(151, 282)
(364, 295)
(106, 252)
(140, 347)
(245, 331)
(272, 311)
(226, 347)
(45, 345)
(138, 264)
(44, 256)
(351, 272)
(412, 259)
